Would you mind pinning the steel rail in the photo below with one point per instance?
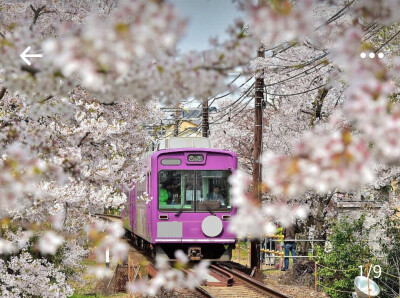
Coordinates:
(223, 272)
(108, 215)
(228, 273)
(204, 292)
(254, 282)
(152, 272)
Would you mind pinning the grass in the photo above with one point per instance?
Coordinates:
(86, 286)
(126, 224)
(244, 259)
(87, 262)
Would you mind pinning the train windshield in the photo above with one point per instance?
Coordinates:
(194, 191)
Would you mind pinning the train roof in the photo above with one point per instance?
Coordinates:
(154, 155)
(179, 144)
(187, 142)
(192, 149)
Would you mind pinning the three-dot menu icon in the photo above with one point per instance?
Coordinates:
(371, 55)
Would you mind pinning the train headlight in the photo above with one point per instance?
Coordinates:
(212, 226)
(195, 158)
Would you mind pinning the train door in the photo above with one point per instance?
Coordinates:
(149, 204)
(140, 207)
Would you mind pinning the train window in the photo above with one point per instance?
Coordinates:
(171, 162)
(174, 190)
(141, 188)
(213, 191)
(193, 190)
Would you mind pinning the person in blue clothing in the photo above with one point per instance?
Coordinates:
(289, 244)
(216, 195)
(176, 200)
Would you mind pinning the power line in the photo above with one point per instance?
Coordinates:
(239, 112)
(241, 98)
(298, 93)
(228, 93)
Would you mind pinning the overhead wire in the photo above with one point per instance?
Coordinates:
(241, 98)
(231, 117)
(222, 96)
(236, 105)
(397, 33)
(337, 15)
(236, 102)
(298, 93)
(301, 74)
(333, 18)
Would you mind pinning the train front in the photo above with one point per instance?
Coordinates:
(194, 205)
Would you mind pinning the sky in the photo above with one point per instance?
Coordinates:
(207, 18)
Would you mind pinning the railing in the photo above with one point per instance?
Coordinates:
(272, 248)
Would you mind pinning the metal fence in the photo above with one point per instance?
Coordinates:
(272, 251)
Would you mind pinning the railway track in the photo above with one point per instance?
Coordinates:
(108, 217)
(243, 285)
(224, 277)
(227, 282)
(224, 280)
(198, 291)
(152, 271)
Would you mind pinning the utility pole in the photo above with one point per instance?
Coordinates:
(257, 178)
(205, 126)
(176, 128)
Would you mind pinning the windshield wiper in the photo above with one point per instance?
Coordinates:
(180, 211)
(209, 208)
(205, 204)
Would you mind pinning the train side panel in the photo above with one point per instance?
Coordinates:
(141, 207)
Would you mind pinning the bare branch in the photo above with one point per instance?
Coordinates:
(32, 70)
(36, 14)
(112, 103)
(47, 98)
(2, 92)
(318, 103)
(84, 137)
(307, 112)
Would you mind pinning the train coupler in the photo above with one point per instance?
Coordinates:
(194, 253)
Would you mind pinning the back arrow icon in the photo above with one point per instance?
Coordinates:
(25, 55)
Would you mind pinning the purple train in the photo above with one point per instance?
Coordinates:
(182, 201)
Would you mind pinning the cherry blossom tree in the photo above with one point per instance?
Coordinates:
(65, 154)
(312, 130)
(71, 122)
